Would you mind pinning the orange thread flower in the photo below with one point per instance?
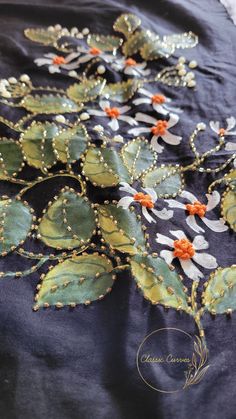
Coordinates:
(159, 128)
(196, 209)
(158, 98)
(130, 62)
(144, 200)
(95, 51)
(58, 60)
(221, 132)
(183, 249)
(112, 112)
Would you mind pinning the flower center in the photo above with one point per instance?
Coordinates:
(158, 98)
(196, 209)
(112, 112)
(144, 199)
(183, 249)
(221, 132)
(159, 128)
(130, 62)
(58, 60)
(95, 51)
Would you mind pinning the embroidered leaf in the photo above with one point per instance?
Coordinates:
(138, 157)
(167, 181)
(47, 104)
(104, 167)
(69, 221)
(220, 293)
(182, 40)
(78, 280)
(121, 92)
(103, 42)
(71, 143)
(156, 49)
(127, 24)
(43, 36)
(137, 41)
(11, 158)
(86, 90)
(158, 283)
(121, 229)
(229, 208)
(37, 144)
(15, 222)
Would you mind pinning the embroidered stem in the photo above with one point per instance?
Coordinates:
(21, 274)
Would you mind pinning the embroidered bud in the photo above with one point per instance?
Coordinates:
(159, 128)
(58, 60)
(130, 62)
(113, 113)
(183, 249)
(196, 209)
(84, 116)
(158, 99)
(144, 199)
(95, 51)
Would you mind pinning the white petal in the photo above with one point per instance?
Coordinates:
(145, 118)
(189, 196)
(147, 215)
(215, 225)
(70, 66)
(199, 243)
(170, 108)
(114, 124)
(164, 214)
(167, 255)
(230, 123)
(155, 145)
(71, 56)
(171, 138)
(127, 188)
(96, 112)
(173, 120)
(159, 109)
(42, 61)
(124, 109)
(215, 126)
(125, 202)
(230, 146)
(85, 58)
(54, 69)
(213, 200)
(151, 192)
(128, 119)
(160, 238)
(145, 92)
(104, 104)
(178, 233)
(140, 101)
(130, 71)
(190, 269)
(191, 221)
(205, 260)
(137, 131)
(145, 72)
(175, 204)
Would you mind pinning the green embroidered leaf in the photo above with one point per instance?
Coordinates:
(104, 167)
(47, 104)
(155, 49)
(167, 181)
(137, 41)
(229, 208)
(103, 42)
(78, 280)
(127, 24)
(15, 222)
(86, 90)
(138, 157)
(121, 92)
(68, 223)
(220, 293)
(71, 143)
(43, 36)
(11, 158)
(158, 283)
(37, 145)
(182, 40)
(121, 229)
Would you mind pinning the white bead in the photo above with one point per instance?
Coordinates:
(98, 128)
(4, 82)
(193, 64)
(85, 31)
(190, 76)
(84, 116)
(60, 118)
(72, 73)
(74, 31)
(182, 60)
(182, 72)
(201, 126)
(118, 139)
(12, 80)
(80, 36)
(51, 29)
(101, 69)
(180, 66)
(25, 78)
(191, 83)
(6, 94)
(58, 27)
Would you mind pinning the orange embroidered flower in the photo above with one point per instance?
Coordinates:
(158, 99)
(112, 112)
(144, 199)
(130, 62)
(159, 128)
(95, 51)
(196, 208)
(58, 60)
(221, 132)
(183, 249)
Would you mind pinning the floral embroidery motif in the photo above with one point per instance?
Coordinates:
(231, 122)
(159, 102)
(115, 114)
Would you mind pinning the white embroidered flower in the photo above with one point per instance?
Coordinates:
(114, 114)
(147, 201)
(231, 122)
(197, 209)
(187, 252)
(56, 62)
(158, 101)
(88, 54)
(130, 67)
(159, 128)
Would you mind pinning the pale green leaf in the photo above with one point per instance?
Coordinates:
(121, 92)
(127, 24)
(71, 143)
(11, 158)
(167, 181)
(138, 157)
(220, 293)
(49, 104)
(104, 42)
(87, 90)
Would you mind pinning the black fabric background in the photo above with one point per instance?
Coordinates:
(81, 364)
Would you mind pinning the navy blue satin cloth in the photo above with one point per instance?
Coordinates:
(80, 364)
